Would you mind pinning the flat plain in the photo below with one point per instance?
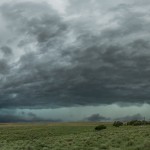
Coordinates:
(73, 136)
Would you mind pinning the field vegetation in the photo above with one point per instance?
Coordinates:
(73, 136)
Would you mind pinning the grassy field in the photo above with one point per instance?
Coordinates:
(73, 136)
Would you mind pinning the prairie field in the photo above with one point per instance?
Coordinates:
(73, 136)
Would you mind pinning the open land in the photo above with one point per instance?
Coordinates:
(73, 136)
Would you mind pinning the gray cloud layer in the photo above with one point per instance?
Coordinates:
(97, 55)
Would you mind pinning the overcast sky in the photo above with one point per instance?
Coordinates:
(74, 60)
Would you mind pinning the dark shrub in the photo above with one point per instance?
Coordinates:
(148, 122)
(137, 123)
(117, 123)
(132, 122)
(145, 122)
(100, 127)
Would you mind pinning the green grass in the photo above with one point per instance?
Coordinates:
(73, 136)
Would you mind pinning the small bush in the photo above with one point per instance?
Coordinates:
(100, 127)
(117, 123)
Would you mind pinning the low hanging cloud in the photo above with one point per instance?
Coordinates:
(31, 117)
(97, 55)
(96, 117)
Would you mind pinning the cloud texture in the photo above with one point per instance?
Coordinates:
(93, 53)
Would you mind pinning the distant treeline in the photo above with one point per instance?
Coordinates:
(138, 122)
(132, 123)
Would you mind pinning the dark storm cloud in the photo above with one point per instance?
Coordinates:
(15, 119)
(10, 118)
(4, 67)
(97, 117)
(33, 19)
(86, 57)
(7, 51)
